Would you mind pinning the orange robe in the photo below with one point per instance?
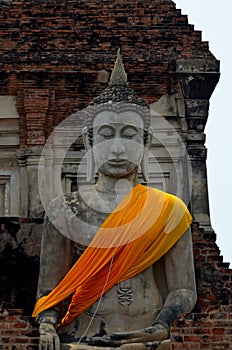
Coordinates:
(140, 230)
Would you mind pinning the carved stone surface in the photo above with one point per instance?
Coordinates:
(125, 293)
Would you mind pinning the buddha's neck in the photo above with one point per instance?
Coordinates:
(119, 186)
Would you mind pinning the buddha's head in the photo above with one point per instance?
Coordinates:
(118, 127)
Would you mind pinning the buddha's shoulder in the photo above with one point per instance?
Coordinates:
(73, 200)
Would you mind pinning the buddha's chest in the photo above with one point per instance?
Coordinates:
(85, 216)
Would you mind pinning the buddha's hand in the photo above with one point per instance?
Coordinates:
(49, 339)
(159, 331)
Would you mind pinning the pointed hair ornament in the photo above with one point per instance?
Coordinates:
(118, 75)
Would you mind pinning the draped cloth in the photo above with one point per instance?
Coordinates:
(140, 230)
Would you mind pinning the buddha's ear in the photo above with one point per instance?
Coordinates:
(144, 161)
(85, 138)
(149, 138)
(89, 155)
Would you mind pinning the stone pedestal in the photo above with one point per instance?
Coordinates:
(159, 345)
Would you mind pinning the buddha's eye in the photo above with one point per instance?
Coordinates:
(129, 132)
(106, 131)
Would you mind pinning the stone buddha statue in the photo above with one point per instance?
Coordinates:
(118, 276)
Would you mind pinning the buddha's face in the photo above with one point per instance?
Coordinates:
(118, 144)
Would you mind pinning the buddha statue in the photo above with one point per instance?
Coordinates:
(132, 272)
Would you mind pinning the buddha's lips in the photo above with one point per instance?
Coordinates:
(117, 161)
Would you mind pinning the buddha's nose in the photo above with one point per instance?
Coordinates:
(118, 146)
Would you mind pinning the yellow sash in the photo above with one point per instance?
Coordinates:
(140, 230)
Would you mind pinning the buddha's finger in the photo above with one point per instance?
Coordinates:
(45, 346)
(127, 335)
(57, 343)
(102, 341)
(164, 345)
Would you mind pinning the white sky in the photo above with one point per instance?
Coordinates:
(213, 18)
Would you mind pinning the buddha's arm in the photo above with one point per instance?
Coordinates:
(55, 260)
(179, 269)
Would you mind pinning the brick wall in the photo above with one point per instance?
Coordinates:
(17, 332)
(209, 326)
(210, 330)
(57, 49)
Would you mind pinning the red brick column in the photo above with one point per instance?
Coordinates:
(36, 103)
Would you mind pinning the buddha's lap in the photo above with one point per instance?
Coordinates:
(158, 345)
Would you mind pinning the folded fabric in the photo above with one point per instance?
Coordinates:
(140, 230)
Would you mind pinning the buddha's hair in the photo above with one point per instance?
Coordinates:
(118, 99)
